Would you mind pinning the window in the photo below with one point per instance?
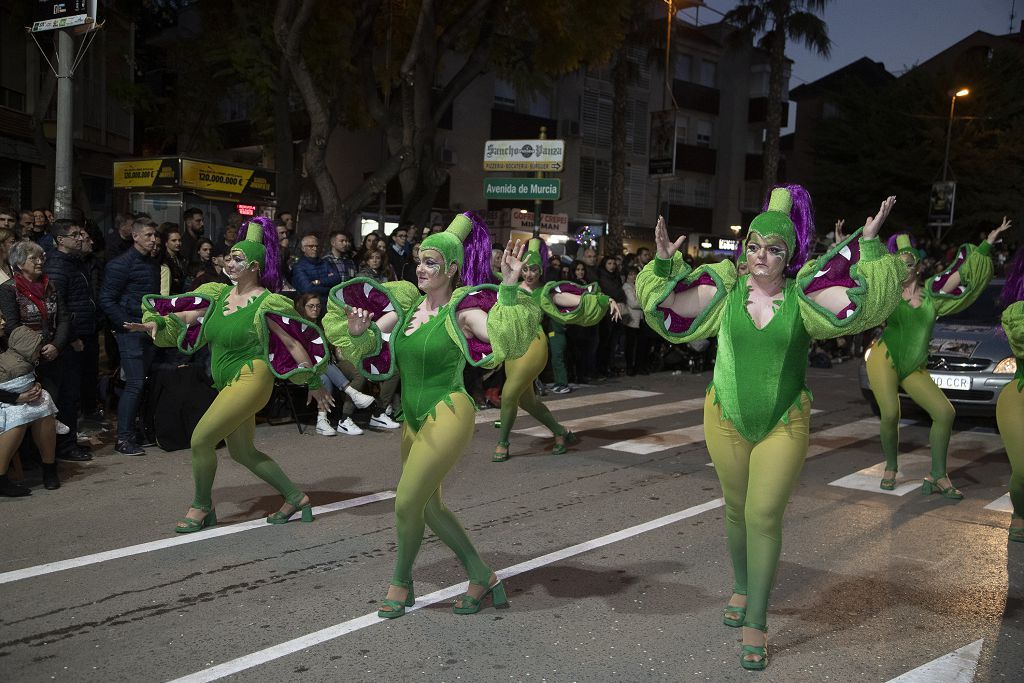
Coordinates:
(635, 190)
(504, 95)
(596, 119)
(759, 80)
(636, 126)
(595, 177)
(12, 61)
(540, 105)
(704, 131)
(701, 192)
(682, 123)
(637, 56)
(829, 110)
(677, 192)
(708, 73)
(684, 68)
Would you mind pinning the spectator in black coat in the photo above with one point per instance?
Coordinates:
(126, 280)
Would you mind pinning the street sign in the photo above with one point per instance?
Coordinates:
(941, 203)
(520, 219)
(662, 158)
(522, 188)
(57, 14)
(524, 155)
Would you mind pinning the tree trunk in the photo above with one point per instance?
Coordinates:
(289, 27)
(284, 149)
(617, 190)
(777, 62)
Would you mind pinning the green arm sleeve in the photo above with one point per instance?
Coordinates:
(1013, 325)
(874, 281)
(661, 277)
(975, 267)
(512, 325)
(592, 308)
(170, 329)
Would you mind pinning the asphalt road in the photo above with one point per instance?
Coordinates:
(614, 556)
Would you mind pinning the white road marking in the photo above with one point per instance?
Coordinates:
(959, 666)
(914, 467)
(492, 414)
(177, 539)
(660, 441)
(612, 419)
(331, 632)
(1001, 504)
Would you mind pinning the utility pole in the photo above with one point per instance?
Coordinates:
(65, 117)
(536, 202)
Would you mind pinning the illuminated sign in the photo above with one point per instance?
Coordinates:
(727, 244)
(705, 243)
(245, 209)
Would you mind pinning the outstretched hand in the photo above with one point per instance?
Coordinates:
(994, 235)
(147, 327)
(873, 224)
(616, 314)
(512, 262)
(359, 320)
(665, 247)
(839, 230)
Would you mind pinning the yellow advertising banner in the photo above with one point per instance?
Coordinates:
(137, 173)
(202, 175)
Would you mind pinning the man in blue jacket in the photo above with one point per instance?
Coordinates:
(67, 272)
(312, 274)
(127, 279)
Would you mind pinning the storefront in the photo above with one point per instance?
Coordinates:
(164, 187)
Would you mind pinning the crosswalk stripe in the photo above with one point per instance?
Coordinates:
(580, 401)
(959, 666)
(1001, 504)
(611, 419)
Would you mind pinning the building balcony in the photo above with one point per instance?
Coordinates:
(696, 97)
(757, 110)
(690, 218)
(754, 167)
(512, 125)
(696, 159)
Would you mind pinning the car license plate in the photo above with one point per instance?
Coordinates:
(955, 382)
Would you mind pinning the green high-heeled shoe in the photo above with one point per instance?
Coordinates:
(498, 455)
(931, 486)
(736, 621)
(187, 525)
(397, 606)
(471, 605)
(568, 439)
(282, 518)
(1016, 533)
(889, 484)
(754, 664)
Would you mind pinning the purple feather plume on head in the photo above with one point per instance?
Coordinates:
(892, 246)
(270, 274)
(802, 215)
(545, 254)
(1013, 290)
(476, 269)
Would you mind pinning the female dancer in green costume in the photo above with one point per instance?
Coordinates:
(430, 338)
(900, 355)
(757, 412)
(1010, 406)
(254, 336)
(564, 303)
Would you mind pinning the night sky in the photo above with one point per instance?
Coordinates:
(898, 33)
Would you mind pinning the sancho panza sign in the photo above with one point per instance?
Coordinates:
(524, 155)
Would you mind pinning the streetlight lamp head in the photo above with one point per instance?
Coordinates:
(962, 92)
(736, 228)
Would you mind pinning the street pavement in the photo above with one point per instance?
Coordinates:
(614, 557)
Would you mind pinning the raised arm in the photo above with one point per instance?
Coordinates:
(953, 282)
(688, 303)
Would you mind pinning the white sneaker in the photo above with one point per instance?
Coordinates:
(360, 399)
(323, 426)
(62, 428)
(347, 426)
(383, 421)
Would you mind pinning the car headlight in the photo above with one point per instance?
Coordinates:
(1007, 366)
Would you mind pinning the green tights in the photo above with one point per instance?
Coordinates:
(232, 418)
(518, 390)
(757, 480)
(427, 456)
(1010, 418)
(922, 390)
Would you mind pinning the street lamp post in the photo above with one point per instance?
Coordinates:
(962, 92)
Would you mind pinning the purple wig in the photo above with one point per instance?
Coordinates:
(893, 247)
(270, 272)
(476, 269)
(545, 256)
(802, 215)
(1013, 290)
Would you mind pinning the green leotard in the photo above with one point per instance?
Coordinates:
(1010, 407)
(232, 339)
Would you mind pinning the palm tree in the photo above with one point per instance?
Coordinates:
(776, 21)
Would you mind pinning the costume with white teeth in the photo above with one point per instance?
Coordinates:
(757, 411)
(246, 356)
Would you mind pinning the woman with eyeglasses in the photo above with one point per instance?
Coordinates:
(563, 303)
(900, 356)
